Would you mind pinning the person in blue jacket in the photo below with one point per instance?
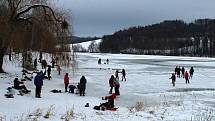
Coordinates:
(38, 82)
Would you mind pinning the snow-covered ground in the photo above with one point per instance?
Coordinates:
(85, 45)
(147, 81)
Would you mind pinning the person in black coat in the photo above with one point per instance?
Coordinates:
(82, 86)
(182, 71)
(191, 72)
(49, 72)
(19, 85)
(111, 84)
(35, 63)
(123, 75)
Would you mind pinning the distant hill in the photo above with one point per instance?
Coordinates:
(171, 37)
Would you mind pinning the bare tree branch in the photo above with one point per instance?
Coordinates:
(37, 6)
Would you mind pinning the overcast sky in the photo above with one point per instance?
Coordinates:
(102, 17)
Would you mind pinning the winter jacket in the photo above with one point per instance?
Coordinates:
(116, 82)
(191, 71)
(123, 72)
(111, 82)
(186, 76)
(66, 79)
(38, 80)
(173, 77)
(83, 82)
(16, 84)
(112, 97)
(49, 69)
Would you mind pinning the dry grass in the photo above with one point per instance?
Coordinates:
(68, 115)
(49, 112)
(139, 106)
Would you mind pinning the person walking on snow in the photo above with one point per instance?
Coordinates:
(66, 81)
(186, 76)
(173, 77)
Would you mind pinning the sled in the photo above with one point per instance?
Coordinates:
(113, 109)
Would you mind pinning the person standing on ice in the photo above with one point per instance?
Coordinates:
(179, 72)
(123, 74)
(191, 72)
(111, 83)
(176, 69)
(182, 71)
(107, 61)
(38, 82)
(186, 76)
(66, 81)
(82, 85)
(99, 61)
(173, 77)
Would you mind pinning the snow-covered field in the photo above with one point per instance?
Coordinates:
(147, 81)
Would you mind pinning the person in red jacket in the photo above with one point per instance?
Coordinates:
(110, 103)
(66, 81)
(186, 76)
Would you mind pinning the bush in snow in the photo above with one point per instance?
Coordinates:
(139, 106)
(68, 115)
(49, 112)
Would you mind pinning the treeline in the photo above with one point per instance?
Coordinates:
(166, 38)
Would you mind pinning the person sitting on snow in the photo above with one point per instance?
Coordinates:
(20, 85)
(110, 103)
(72, 89)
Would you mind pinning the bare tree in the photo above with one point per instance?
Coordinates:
(29, 25)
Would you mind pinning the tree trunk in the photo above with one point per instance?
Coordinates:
(2, 52)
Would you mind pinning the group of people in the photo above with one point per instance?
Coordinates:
(100, 61)
(181, 72)
(114, 81)
(114, 84)
(81, 87)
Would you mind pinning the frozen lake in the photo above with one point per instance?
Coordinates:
(147, 76)
(147, 81)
